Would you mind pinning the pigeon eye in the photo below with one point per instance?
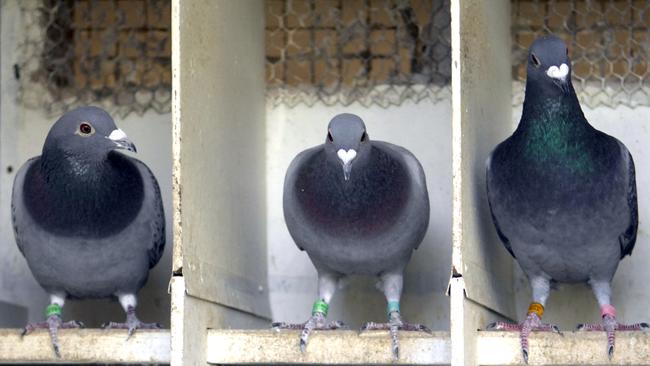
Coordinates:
(85, 128)
(535, 60)
(364, 137)
(329, 137)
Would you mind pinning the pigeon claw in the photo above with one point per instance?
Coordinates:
(303, 346)
(52, 325)
(610, 351)
(395, 352)
(394, 340)
(524, 353)
(315, 322)
(131, 325)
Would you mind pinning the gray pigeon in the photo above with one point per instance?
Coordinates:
(88, 219)
(357, 207)
(562, 194)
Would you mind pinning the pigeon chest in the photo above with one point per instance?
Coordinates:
(372, 202)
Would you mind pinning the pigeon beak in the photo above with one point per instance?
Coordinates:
(346, 158)
(122, 141)
(347, 168)
(564, 86)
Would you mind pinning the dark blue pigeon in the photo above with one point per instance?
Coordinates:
(88, 219)
(356, 206)
(562, 194)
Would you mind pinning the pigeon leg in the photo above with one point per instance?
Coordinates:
(541, 289)
(53, 322)
(391, 284)
(327, 282)
(129, 302)
(602, 290)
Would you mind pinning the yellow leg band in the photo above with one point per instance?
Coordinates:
(536, 308)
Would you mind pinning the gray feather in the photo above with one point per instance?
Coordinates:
(81, 261)
(562, 194)
(369, 224)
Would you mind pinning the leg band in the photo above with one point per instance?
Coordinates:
(53, 309)
(392, 307)
(608, 309)
(536, 308)
(320, 306)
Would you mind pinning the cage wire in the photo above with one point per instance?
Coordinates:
(112, 53)
(608, 43)
(380, 52)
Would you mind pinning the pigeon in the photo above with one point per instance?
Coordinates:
(88, 219)
(562, 195)
(357, 207)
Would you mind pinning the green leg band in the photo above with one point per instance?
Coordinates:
(53, 309)
(393, 306)
(320, 306)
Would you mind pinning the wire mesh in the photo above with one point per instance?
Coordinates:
(608, 43)
(380, 52)
(112, 53)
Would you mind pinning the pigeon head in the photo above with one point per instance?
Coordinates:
(549, 66)
(347, 142)
(87, 132)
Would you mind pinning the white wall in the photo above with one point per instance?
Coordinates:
(424, 129)
(573, 304)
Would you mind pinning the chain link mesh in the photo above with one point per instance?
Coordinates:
(112, 53)
(380, 52)
(608, 43)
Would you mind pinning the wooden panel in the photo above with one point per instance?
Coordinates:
(346, 347)
(466, 317)
(482, 287)
(191, 318)
(85, 346)
(219, 152)
(481, 98)
(572, 348)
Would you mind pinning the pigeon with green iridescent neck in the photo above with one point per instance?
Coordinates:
(356, 206)
(562, 195)
(88, 219)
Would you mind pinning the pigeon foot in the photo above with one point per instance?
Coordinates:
(132, 323)
(610, 326)
(532, 323)
(315, 322)
(395, 324)
(53, 324)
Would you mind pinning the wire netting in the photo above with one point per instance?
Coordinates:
(608, 43)
(112, 53)
(380, 52)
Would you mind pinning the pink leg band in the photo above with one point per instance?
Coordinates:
(608, 310)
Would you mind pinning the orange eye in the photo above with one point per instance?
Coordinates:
(85, 128)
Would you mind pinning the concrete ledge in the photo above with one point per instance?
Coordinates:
(572, 348)
(85, 346)
(325, 347)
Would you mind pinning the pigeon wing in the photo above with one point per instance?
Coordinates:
(628, 238)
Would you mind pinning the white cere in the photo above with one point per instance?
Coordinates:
(346, 156)
(117, 135)
(559, 73)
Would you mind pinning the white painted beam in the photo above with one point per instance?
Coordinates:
(85, 346)
(571, 348)
(325, 347)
